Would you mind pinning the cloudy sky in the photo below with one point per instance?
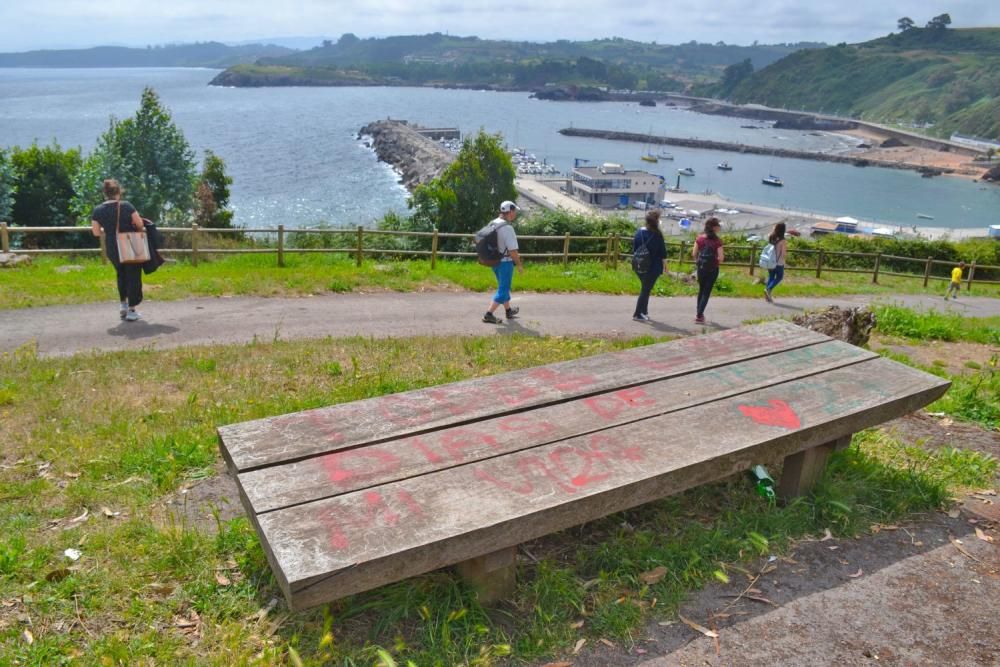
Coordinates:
(36, 24)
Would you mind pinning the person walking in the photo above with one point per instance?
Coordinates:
(109, 218)
(708, 255)
(777, 274)
(955, 286)
(649, 253)
(509, 257)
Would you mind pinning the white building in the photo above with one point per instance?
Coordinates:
(976, 142)
(612, 185)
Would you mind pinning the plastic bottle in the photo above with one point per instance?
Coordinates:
(763, 482)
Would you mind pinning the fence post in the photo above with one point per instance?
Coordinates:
(361, 240)
(680, 254)
(616, 248)
(434, 249)
(194, 244)
(819, 263)
(972, 272)
(927, 271)
(281, 245)
(607, 252)
(753, 256)
(566, 251)
(878, 261)
(4, 238)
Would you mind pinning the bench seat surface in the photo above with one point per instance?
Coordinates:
(447, 481)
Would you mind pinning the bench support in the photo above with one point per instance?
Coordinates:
(493, 575)
(802, 470)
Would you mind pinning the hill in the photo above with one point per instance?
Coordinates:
(941, 79)
(203, 54)
(439, 59)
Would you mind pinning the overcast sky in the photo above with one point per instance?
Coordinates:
(37, 24)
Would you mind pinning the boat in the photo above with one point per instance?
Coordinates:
(772, 180)
(924, 216)
(648, 157)
(686, 171)
(724, 166)
(663, 155)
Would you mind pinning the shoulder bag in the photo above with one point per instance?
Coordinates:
(133, 247)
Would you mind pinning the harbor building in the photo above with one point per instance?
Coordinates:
(613, 186)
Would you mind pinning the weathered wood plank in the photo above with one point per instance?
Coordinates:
(347, 470)
(493, 575)
(290, 437)
(335, 547)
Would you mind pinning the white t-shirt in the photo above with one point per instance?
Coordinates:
(506, 239)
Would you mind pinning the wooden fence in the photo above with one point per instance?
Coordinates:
(801, 259)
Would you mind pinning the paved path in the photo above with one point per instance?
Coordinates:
(62, 330)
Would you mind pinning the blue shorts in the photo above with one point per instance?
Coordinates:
(504, 271)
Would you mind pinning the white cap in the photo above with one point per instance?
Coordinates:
(508, 206)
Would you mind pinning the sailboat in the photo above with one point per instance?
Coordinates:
(648, 157)
(772, 180)
(724, 166)
(664, 155)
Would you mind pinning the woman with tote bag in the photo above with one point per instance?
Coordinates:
(121, 225)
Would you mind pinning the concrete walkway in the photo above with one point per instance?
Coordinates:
(63, 330)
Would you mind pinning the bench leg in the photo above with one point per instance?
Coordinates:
(802, 470)
(492, 575)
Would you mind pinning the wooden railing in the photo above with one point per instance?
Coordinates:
(800, 259)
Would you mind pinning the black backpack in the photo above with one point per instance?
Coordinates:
(642, 261)
(487, 245)
(707, 256)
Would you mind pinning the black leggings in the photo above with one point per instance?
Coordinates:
(706, 281)
(130, 283)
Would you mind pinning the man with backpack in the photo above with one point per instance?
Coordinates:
(496, 246)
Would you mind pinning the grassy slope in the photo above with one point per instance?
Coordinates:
(46, 283)
(159, 583)
(952, 80)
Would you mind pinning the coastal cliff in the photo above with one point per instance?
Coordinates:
(416, 158)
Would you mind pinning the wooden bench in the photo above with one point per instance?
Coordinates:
(353, 496)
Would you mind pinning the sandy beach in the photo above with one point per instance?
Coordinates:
(962, 164)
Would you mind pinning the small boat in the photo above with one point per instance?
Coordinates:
(648, 157)
(924, 216)
(772, 180)
(663, 155)
(724, 166)
(686, 171)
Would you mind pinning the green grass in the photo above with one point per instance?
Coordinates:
(123, 430)
(47, 283)
(934, 325)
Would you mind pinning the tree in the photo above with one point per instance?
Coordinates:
(733, 75)
(213, 189)
(904, 24)
(8, 187)
(150, 157)
(44, 190)
(939, 22)
(468, 194)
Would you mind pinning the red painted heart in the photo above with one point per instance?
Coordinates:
(775, 413)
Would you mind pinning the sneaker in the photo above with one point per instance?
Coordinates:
(640, 318)
(123, 309)
(512, 311)
(132, 315)
(490, 318)
(767, 295)
(700, 319)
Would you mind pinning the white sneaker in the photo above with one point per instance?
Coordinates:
(132, 316)
(123, 309)
(640, 318)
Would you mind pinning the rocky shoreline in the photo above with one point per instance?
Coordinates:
(416, 158)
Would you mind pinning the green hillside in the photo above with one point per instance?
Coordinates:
(202, 54)
(947, 80)
(470, 61)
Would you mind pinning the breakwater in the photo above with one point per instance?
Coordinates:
(744, 148)
(415, 156)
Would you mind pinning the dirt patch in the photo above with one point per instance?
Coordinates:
(950, 357)
(931, 432)
(205, 503)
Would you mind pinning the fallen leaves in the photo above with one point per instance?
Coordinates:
(579, 645)
(607, 642)
(827, 535)
(857, 574)
(983, 536)
(958, 545)
(653, 576)
(696, 626)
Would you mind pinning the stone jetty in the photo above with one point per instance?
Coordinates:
(416, 157)
(744, 148)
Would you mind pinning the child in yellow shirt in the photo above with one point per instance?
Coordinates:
(956, 282)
